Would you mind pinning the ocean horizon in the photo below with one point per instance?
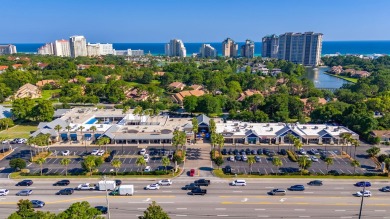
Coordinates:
(328, 47)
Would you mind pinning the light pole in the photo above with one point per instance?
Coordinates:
(361, 203)
(107, 202)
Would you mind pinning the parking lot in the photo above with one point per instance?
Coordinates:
(264, 164)
(130, 155)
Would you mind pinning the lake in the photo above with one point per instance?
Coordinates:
(322, 80)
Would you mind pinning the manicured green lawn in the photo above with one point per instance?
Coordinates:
(47, 94)
(18, 131)
(353, 80)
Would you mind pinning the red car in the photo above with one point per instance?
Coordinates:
(192, 172)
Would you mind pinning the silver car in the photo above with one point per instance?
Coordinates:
(24, 192)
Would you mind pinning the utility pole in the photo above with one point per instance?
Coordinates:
(107, 202)
(361, 203)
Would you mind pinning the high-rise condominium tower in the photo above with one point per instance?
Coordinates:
(174, 48)
(301, 48)
(207, 51)
(78, 46)
(229, 48)
(7, 49)
(248, 49)
(270, 45)
(61, 48)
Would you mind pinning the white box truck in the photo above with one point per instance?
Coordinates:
(110, 185)
(123, 190)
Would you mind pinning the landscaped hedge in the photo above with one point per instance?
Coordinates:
(156, 173)
(291, 156)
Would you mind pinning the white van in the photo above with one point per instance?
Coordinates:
(239, 182)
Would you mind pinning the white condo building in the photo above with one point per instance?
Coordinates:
(62, 48)
(93, 49)
(47, 49)
(229, 48)
(207, 51)
(98, 49)
(78, 46)
(174, 48)
(248, 49)
(7, 49)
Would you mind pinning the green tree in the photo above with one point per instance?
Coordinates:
(89, 163)
(387, 163)
(141, 162)
(328, 161)
(219, 161)
(355, 163)
(179, 139)
(347, 137)
(116, 164)
(212, 126)
(372, 152)
(17, 163)
(6, 123)
(40, 161)
(220, 140)
(58, 128)
(138, 111)
(190, 103)
(154, 211)
(81, 128)
(195, 127)
(165, 162)
(297, 143)
(93, 130)
(277, 162)
(304, 163)
(251, 160)
(43, 111)
(356, 144)
(22, 108)
(82, 210)
(65, 162)
(290, 138)
(68, 128)
(25, 210)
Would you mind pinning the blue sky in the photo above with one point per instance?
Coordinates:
(25, 21)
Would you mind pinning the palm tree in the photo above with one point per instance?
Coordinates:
(40, 161)
(304, 163)
(195, 127)
(116, 164)
(93, 129)
(297, 143)
(290, 138)
(65, 162)
(125, 109)
(81, 130)
(138, 111)
(69, 128)
(58, 128)
(141, 162)
(355, 163)
(387, 162)
(356, 144)
(89, 163)
(277, 162)
(165, 162)
(328, 161)
(346, 136)
(251, 161)
(220, 141)
(212, 126)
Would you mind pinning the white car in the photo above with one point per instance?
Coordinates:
(4, 192)
(147, 169)
(65, 153)
(314, 151)
(95, 152)
(5, 142)
(85, 186)
(165, 182)
(100, 153)
(142, 151)
(365, 193)
(302, 151)
(146, 158)
(314, 158)
(231, 158)
(152, 187)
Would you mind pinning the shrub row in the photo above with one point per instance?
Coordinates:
(291, 156)
(156, 172)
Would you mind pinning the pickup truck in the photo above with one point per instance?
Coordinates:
(202, 182)
(85, 186)
(198, 191)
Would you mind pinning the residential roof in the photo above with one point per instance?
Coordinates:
(381, 133)
(203, 119)
(60, 112)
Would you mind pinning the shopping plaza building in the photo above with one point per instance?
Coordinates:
(89, 124)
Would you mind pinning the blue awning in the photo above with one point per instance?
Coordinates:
(97, 135)
(87, 135)
(73, 136)
(64, 136)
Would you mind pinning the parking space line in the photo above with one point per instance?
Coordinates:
(341, 171)
(265, 171)
(349, 171)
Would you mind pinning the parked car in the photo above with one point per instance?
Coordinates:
(154, 186)
(314, 158)
(283, 152)
(334, 172)
(118, 182)
(113, 153)
(224, 151)
(102, 209)
(65, 153)
(147, 169)
(95, 151)
(365, 193)
(228, 170)
(237, 157)
(142, 151)
(146, 158)
(277, 192)
(230, 152)
(363, 184)
(63, 182)
(24, 192)
(385, 189)
(67, 191)
(248, 151)
(253, 152)
(37, 203)
(25, 182)
(302, 151)
(259, 151)
(4, 192)
(244, 158)
(100, 153)
(165, 182)
(297, 188)
(271, 153)
(257, 158)
(5, 142)
(314, 151)
(315, 183)
(192, 172)
(235, 152)
(190, 186)
(109, 159)
(231, 158)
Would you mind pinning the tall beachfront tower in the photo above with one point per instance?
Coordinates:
(7, 49)
(175, 48)
(207, 51)
(248, 49)
(270, 45)
(62, 48)
(229, 48)
(78, 46)
(301, 48)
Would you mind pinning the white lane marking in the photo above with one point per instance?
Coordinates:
(270, 187)
(139, 202)
(237, 191)
(346, 217)
(220, 209)
(340, 210)
(283, 199)
(339, 188)
(304, 216)
(380, 210)
(222, 215)
(181, 208)
(259, 209)
(308, 192)
(166, 202)
(148, 199)
(181, 215)
(166, 191)
(141, 208)
(262, 216)
(299, 209)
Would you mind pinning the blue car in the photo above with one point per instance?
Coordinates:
(297, 188)
(363, 184)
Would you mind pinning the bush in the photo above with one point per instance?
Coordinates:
(25, 171)
(17, 163)
(382, 158)
(291, 156)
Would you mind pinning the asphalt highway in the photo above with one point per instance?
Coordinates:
(332, 200)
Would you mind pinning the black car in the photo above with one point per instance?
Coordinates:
(297, 188)
(333, 172)
(67, 191)
(283, 152)
(253, 152)
(315, 183)
(109, 159)
(248, 151)
(118, 182)
(259, 151)
(25, 182)
(235, 152)
(230, 151)
(224, 151)
(228, 170)
(113, 153)
(190, 186)
(237, 158)
(102, 209)
(64, 182)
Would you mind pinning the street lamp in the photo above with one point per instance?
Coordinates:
(361, 203)
(107, 202)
